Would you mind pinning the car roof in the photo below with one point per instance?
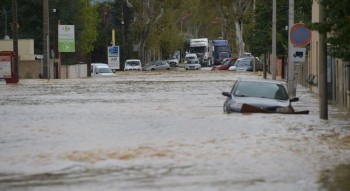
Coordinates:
(261, 80)
(132, 60)
(191, 54)
(99, 64)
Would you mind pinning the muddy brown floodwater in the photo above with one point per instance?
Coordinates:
(163, 131)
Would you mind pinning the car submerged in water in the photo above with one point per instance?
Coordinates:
(157, 65)
(259, 96)
(101, 69)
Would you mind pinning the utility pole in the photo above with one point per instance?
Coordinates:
(15, 37)
(323, 69)
(46, 39)
(273, 64)
(291, 76)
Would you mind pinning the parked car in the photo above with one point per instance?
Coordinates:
(192, 64)
(101, 69)
(246, 64)
(225, 65)
(190, 56)
(157, 65)
(173, 62)
(132, 64)
(257, 95)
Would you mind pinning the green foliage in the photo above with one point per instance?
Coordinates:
(260, 40)
(87, 25)
(337, 25)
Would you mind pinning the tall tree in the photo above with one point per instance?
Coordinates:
(236, 12)
(147, 15)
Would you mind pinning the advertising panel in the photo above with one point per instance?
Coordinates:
(66, 38)
(113, 57)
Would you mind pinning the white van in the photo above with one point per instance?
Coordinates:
(101, 69)
(132, 64)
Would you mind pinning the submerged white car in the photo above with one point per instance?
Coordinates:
(101, 69)
(132, 64)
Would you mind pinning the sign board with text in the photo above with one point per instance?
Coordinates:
(66, 38)
(5, 66)
(113, 57)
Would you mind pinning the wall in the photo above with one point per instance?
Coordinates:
(29, 69)
(25, 48)
(74, 71)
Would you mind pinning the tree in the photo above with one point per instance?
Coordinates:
(236, 12)
(337, 25)
(260, 38)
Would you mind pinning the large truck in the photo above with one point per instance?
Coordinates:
(200, 46)
(219, 50)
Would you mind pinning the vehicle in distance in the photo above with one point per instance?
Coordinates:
(246, 64)
(192, 64)
(225, 65)
(261, 96)
(101, 69)
(157, 65)
(173, 62)
(200, 47)
(190, 56)
(219, 50)
(132, 64)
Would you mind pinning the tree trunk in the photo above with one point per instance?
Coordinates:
(239, 37)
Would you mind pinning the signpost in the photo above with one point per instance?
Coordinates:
(299, 37)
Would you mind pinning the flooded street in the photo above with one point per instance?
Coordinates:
(162, 131)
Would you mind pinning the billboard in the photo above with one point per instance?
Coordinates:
(66, 38)
(113, 57)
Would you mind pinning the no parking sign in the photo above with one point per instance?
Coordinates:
(300, 35)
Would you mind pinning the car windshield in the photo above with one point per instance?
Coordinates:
(231, 63)
(104, 70)
(260, 90)
(193, 62)
(244, 63)
(190, 58)
(133, 63)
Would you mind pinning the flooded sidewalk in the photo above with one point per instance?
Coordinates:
(163, 131)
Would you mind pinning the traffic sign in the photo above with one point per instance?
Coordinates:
(298, 54)
(300, 35)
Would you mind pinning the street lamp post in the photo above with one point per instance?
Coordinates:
(182, 18)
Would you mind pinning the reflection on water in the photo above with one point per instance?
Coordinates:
(337, 179)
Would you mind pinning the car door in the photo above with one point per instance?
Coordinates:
(158, 65)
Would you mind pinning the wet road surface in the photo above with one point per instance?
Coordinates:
(161, 131)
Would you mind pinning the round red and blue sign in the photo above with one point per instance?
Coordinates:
(300, 35)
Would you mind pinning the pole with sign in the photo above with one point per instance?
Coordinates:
(299, 37)
(113, 57)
